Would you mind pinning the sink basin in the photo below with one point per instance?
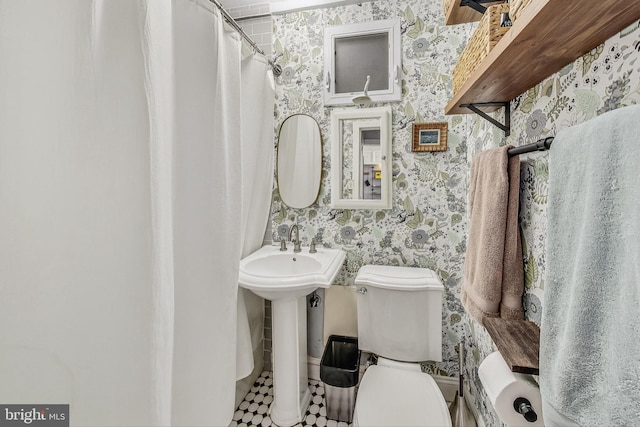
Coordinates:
(273, 274)
(285, 277)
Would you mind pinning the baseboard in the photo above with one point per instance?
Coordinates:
(448, 386)
(471, 406)
(313, 368)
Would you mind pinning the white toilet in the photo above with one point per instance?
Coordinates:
(400, 321)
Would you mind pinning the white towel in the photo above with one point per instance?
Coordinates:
(590, 334)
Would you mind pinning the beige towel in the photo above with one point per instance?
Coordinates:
(493, 281)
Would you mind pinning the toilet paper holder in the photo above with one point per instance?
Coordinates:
(524, 408)
(515, 397)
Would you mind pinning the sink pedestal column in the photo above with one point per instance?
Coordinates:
(291, 393)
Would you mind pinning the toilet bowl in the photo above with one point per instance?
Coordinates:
(398, 394)
(400, 321)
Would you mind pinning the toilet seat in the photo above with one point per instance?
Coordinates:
(397, 397)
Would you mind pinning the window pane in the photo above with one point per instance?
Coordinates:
(359, 57)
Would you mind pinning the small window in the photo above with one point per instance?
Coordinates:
(353, 52)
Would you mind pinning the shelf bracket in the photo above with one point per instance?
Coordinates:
(506, 127)
(476, 4)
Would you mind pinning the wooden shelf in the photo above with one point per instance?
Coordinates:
(547, 36)
(457, 14)
(518, 342)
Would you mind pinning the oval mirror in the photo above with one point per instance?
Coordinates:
(299, 166)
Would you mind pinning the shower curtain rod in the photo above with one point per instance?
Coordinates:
(541, 145)
(277, 69)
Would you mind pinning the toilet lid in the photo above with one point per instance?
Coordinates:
(398, 278)
(396, 397)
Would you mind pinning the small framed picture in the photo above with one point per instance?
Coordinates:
(429, 137)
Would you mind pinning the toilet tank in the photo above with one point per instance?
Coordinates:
(400, 312)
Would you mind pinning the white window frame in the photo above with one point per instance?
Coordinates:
(388, 26)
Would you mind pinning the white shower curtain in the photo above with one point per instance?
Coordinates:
(121, 207)
(257, 154)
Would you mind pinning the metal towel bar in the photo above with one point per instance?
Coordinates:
(541, 145)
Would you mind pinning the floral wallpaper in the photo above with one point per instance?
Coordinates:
(427, 226)
(606, 78)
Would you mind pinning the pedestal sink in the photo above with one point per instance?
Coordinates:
(285, 278)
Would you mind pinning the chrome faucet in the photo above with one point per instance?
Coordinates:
(296, 240)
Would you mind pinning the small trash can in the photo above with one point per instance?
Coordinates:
(339, 373)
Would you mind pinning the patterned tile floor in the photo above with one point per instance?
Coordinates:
(253, 410)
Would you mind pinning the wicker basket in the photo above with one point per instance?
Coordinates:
(517, 6)
(488, 33)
